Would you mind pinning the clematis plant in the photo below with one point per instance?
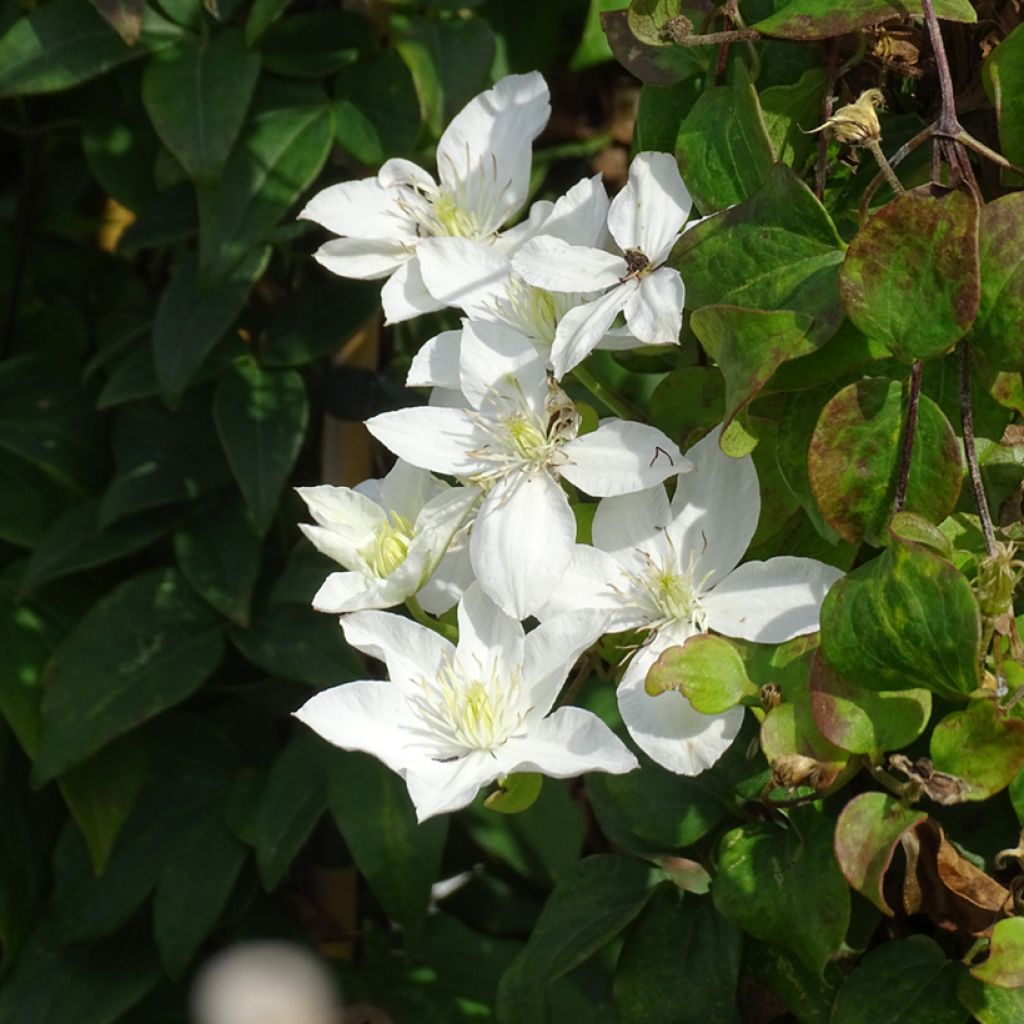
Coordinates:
(391, 535)
(516, 438)
(455, 718)
(671, 569)
(645, 220)
(483, 169)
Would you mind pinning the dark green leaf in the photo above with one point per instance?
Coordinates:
(21, 869)
(981, 745)
(991, 1004)
(823, 19)
(312, 44)
(855, 453)
(398, 858)
(32, 500)
(262, 15)
(219, 553)
(723, 149)
(261, 420)
(26, 641)
(910, 277)
(659, 113)
(1003, 74)
(680, 964)
(586, 910)
(197, 94)
(662, 65)
(782, 885)
(776, 250)
(907, 619)
(867, 833)
(1000, 323)
(145, 647)
(807, 993)
(909, 981)
(789, 112)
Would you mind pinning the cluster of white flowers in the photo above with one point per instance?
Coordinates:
(500, 542)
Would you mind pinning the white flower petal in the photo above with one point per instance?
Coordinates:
(360, 210)
(770, 602)
(361, 258)
(409, 650)
(593, 580)
(715, 508)
(450, 580)
(344, 592)
(522, 541)
(568, 743)
(440, 787)
(484, 155)
(666, 727)
(367, 715)
(621, 457)
(442, 517)
(654, 312)
(510, 240)
(405, 295)
(554, 264)
(438, 439)
(487, 636)
(650, 211)
(584, 327)
(551, 651)
(462, 271)
(579, 217)
(630, 521)
(436, 363)
(496, 361)
(398, 172)
(407, 488)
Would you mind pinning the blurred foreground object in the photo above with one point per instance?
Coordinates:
(265, 983)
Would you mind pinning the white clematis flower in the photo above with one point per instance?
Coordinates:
(483, 167)
(645, 219)
(455, 718)
(516, 439)
(673, 569)
(391, 533)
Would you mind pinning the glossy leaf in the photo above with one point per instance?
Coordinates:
(197, 94)
(142, 649)
(1003, 77)
(822, 19)
(781, 884)
(991, 1004)
(516, 793)
(854, 460)
(905, 620)
(910, 277)
(981, 745)
(1000, 322)
(659, 65)
(788, 111)
(867, 833)
(261, 420)
(1005, 964)
(707, 670)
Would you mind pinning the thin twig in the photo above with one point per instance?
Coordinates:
(616, 403)
(948, 123)
(909, 433)
(902, 153)
(974, 470)
(890, 175)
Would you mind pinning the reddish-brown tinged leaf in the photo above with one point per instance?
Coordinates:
(1005, 963)
(867, 832)
(124, 16)
(656, 65)
(910, 278)
(999, 329)
(981, 745)
(824, 19)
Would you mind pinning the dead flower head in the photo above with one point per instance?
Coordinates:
(856, 123)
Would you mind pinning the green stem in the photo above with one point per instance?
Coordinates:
(615, 402)
(417, 612)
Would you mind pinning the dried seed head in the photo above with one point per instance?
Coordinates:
(856, 123)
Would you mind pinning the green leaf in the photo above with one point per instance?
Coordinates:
(278, 155)
(866, 721)
(399, 859)
(54, 983)
(789, 733)
(854, 460)
(680, 963)
(1000, 322)
(32, 500)
(593, 46)
(905, 620)
(65, 42)
(807, 993)
(196, 94)
(295, 642)
(749, 345)
(1003, 75)
(991, 1004)
(823, 19)
(910, 277)
(293, 801)
(102, 790)
(789, 112)
(776, 250)
(660, 65)
(586, 909)
(190, 320)
(659, 113)
(980, 745)
(22, 871)
(648, 18)
(143, 648)
(782, 884)
(909, 981)
(193, 889)
(707, 670)
(1005, 964)
(261, 419)
(312, 44)
(868, 830)
(723, 149)
(26, 641)
(219, 551)
(515, 793)
(449, 62)
(262, 15)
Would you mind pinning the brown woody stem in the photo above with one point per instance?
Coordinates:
(973, 469)
(909, 433)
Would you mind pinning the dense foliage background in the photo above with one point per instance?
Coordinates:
(173, 361)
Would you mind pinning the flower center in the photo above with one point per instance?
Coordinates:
(668, 595)
(451, 219)
(527, 440)
(470, 710)
(532, 311)
(388, 549)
